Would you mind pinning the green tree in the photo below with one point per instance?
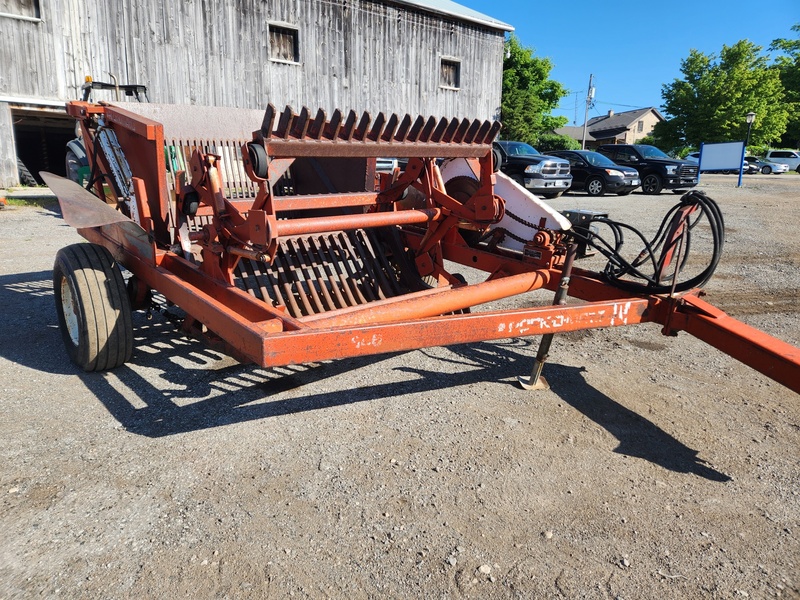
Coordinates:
(710, 103)
(788, 67)
(528, 95)
(549, 142)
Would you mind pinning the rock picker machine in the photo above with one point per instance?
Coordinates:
(283, 245)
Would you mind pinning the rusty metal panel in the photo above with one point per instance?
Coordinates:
(81, 208)
(215, 122)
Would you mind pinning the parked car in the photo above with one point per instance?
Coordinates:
(598, 174)
(694, 157)
(548, 176)
(766, 166)
(657, 170)
(791, 158)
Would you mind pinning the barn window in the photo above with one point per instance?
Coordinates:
(283, 44)
(450, 74)
(27, 10)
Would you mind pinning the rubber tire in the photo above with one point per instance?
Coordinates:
(72, 167)
(766, 169)
(595, 186)
(652, 184)
(94, 311)
(497, 160)
(25, 177)
(258, 159)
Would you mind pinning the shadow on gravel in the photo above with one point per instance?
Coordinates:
(637, 436)
(29, 333)
(176, 384)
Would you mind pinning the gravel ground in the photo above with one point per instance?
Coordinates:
(653, 467)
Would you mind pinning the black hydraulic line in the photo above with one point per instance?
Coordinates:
(618, 267)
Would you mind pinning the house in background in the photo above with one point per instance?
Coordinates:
(615, 128)
(420, 57)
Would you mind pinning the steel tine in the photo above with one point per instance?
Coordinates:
(427, 131)
(402, 130)
(301, 124)
(318, 275)
(269, 121)
(439, 131)
(473, 129)
(346, 134)
(416, 129)
(285, 283)
(308, 279)
(277, 297)
(317, 126)
(334, 277)
(452, 127)
(363, 127)
(339, 265)
(374, 275)
(391, 127)
(485, 127)
(357, 277)
(377, 128)
(285, 123)
(461, 131)
(496, 127)
(332, 128)
(294, 274)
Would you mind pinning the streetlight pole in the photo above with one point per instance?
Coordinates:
(749, 117)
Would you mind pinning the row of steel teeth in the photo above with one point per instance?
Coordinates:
(394, 129)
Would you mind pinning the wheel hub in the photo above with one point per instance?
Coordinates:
(69, 310)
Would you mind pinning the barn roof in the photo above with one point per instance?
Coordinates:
(462, 13)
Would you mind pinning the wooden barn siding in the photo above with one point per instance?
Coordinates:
(8, 155)
(359, 54)
(354, 54)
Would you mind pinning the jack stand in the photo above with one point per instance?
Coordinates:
(536, 381)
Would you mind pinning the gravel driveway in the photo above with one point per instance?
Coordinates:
(654, 467)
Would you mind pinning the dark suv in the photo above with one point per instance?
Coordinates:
(545, 175)
(657, 169)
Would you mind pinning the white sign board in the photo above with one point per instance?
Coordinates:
(719, 157)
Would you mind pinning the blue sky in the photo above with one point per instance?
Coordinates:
(632, 47)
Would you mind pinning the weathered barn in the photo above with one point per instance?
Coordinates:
(405, 56)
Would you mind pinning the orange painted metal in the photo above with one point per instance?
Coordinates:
(302, 226)
(433, 302)
(347, 341)
(766, 354)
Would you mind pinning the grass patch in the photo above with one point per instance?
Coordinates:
(40, 201)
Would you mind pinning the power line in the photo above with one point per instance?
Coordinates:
(576, 103)
(617, 104)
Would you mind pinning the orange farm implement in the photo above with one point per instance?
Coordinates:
(286, 245)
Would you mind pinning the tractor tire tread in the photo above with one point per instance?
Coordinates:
(105, 336)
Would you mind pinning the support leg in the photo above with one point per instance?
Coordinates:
(536, 381)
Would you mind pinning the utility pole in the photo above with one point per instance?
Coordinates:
(589, 98)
